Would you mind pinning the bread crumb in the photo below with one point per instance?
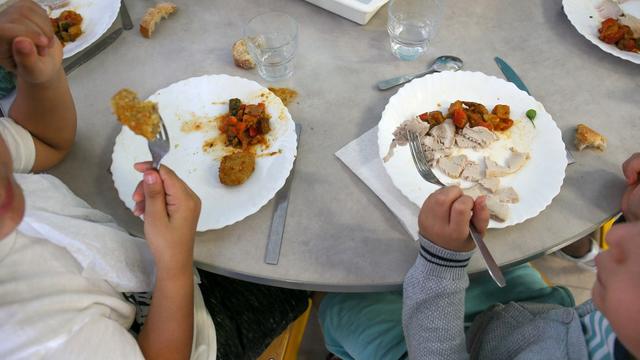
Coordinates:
(153, 16)
(241, 56)
(587, 137)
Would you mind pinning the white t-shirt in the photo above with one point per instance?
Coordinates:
(54, 299)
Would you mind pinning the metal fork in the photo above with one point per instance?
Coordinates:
(159, 146)
(422, 165)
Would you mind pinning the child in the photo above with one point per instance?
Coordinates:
(64, 266)
(433, 303)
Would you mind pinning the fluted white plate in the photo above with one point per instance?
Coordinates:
(537, 183)
(205, 98)
(97, 15)
(583, 16)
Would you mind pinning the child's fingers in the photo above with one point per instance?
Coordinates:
(25, 54)
(138, 208)
(480, 214)
(138, 193)
(154, 197)
(461, 212)
(631, 168)
(143, 166)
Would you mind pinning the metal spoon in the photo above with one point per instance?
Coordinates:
(441, 63)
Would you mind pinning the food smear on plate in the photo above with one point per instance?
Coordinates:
(141, 117)
(285, 94)
(67, 26)
(614, 32)
(473, 146)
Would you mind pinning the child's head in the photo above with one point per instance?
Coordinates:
(616, 292)
(11, 197)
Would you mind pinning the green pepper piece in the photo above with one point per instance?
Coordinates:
(234, 106)
(531, 114)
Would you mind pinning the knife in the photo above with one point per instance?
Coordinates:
(92, 51)
(276, 232)
(512, 76)
(125, 18)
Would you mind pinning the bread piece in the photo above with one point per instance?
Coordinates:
(153, 16)
(241, 56)
(236, 168)
(587, 137)
(140, 116)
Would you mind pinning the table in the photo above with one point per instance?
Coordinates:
(339, 236)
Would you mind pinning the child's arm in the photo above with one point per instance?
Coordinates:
(433, 301)
(171, 211)
(43, 104)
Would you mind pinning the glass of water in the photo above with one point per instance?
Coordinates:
(272, 40)
(411, 26)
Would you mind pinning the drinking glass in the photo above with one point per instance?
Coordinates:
(411, 25)
(272, 40)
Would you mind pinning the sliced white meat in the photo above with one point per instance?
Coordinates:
(465, 143)
(491, 184)
(472, 171)
(497, 210)
(444, 133)
(507, 195)
(475, 191)
(494, 169)
(479, 135)
(430, 143)
(452, 166)
(400, 133)
(517, 160)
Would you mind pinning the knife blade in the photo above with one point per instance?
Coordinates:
(279, 218)
(92, 51)
(125, 18)
(513, 77)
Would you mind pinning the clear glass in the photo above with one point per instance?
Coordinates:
(411, 26)
(272, 40)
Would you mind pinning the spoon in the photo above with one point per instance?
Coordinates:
(441, 63)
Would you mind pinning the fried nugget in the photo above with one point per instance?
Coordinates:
(236, 168)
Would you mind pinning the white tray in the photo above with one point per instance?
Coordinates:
(359, 11)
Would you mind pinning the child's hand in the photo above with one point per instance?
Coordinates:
(631, 198)
(445, 216)
(28, 46)
(171, 211)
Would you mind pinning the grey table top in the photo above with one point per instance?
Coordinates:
(339, 236)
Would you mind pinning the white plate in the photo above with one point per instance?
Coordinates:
(97, 17)
(204, 98)
(537, 183)
(585, 18)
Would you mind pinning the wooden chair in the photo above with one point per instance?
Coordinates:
(286, 346)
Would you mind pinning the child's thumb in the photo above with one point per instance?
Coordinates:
(25, 54)
(154, 197)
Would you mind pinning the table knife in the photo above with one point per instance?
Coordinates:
(125, 18)
(513, 77)
(279, 218)
(92, 51)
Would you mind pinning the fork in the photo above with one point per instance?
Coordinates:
(159, 146)
(422, 165)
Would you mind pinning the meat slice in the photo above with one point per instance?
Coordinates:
(479, 135)
(475, 191)
(507, 195)
(471, 171)
(497, 210)
(444, 133)
(494, 169)
(515, 162)
(465, 143)
(400, 133)
(452, 166)
(491, 184)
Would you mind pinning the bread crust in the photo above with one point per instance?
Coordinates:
(140, 116)
(241, 56)
(587, 137)
(153, 16)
